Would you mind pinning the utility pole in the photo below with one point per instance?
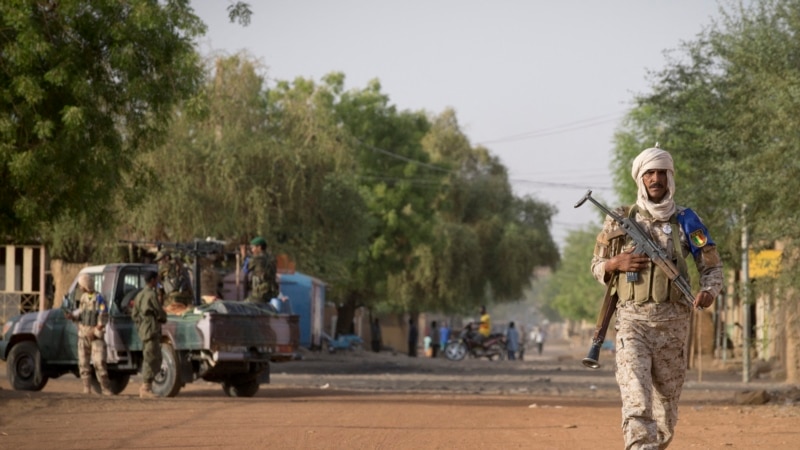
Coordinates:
(745, 299)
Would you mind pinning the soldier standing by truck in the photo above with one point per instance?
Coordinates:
(92, 317)
(262, 272)
(148, 317)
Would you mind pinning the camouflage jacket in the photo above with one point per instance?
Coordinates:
(263, 272)
(148, 315)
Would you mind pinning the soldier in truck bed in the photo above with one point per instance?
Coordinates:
(176, 283)
(262, 273)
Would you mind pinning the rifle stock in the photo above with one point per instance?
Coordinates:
(592, 360)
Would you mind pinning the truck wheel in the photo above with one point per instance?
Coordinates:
(167, 382)
(25, 367)
(241, 386)
(119, 381)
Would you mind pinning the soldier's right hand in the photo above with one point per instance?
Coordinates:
(627, 261)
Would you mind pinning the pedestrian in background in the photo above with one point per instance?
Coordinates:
(91, 317)
(413, 338)
(538, 339)
(436, 340)
(512, 341)
(376, 338)
(444, 335)
(148, 315)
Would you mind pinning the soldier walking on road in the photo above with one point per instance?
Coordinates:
(148, 317)
(652, 316)
(92, 317)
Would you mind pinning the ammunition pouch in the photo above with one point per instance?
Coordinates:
(89, 317)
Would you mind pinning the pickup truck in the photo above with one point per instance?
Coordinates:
(229, 342)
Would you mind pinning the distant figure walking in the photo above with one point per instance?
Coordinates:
(436, 340)
(413, 337)
(538, 339)
(376, 336)
(444, 335)
(512, 341)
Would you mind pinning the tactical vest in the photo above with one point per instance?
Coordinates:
(89, 317)
(653, 284)
(174, 279)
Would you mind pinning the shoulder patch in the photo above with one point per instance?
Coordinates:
(695, 231)
(699, 238)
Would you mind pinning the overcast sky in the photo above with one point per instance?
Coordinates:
(543, 84)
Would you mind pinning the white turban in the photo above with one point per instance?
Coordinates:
(86, 281)
(654, 159)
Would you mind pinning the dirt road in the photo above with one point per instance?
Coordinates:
(386, 401)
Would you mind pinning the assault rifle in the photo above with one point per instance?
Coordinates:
(644, 245)
(194, 249)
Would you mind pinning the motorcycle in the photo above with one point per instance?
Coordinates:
(492, 346)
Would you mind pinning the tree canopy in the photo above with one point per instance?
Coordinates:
(725, 107)
(84, 87)
(114, 127)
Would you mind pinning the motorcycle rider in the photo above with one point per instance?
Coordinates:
(485, 326)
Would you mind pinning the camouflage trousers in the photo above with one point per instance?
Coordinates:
(91, 351)
(151, 360)
(651, 368)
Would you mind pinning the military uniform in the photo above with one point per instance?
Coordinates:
(92, 317)
(148, 316)
(262, 271)
(175, 280)
(653, 317)
(653, 320)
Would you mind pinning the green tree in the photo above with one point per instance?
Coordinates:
(85, 86)
(242, 161)
(573, 291)
(485, 242)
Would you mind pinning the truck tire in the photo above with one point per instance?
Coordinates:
(25, 367)
(241, 386)
(119, 381)
(168, 380)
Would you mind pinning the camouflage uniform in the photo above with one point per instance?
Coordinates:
(262, 270)
(653, 325)
(148, 316)
(175, 279)
(91, 344)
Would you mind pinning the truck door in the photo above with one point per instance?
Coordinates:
(121, 336)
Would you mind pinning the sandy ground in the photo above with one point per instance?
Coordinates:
(362, 400)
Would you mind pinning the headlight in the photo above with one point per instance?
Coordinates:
(6, 327)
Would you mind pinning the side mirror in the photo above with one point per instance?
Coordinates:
(66, 303)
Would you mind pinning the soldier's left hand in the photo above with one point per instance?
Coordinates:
(703, 300)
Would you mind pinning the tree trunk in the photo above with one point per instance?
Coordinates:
(64, 274)
(792, 339)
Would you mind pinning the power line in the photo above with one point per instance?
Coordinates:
(561, 185)
(565, 128)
